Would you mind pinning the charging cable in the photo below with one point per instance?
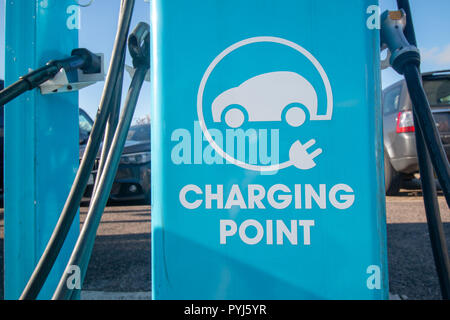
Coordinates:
(72, 204)
(397, 33)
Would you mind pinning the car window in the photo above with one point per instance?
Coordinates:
(139, 133)
(391, 100)
(438, 91)
(85, 124)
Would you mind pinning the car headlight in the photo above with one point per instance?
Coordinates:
(136, 158)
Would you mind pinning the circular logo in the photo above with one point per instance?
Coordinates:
(298, 155)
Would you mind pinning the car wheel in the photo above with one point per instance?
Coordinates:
(234, 118)
(295, 117)
(391, 177)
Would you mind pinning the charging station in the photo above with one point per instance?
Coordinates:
(268, 182)
(41, 143)
(267, 154)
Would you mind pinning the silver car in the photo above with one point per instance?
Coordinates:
(400, 156)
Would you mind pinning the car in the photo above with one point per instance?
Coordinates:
(85, 125)
(132, 180)
(400, 155)
(267, 97)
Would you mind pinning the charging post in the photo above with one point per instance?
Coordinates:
(267, 156)
(41, 142)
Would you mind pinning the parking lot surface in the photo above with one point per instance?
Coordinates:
(410, 259)
(121, 258)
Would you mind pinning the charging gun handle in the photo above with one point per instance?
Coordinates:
(392, 35)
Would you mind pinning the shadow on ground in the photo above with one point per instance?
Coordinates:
(120, 263)
(410, 261)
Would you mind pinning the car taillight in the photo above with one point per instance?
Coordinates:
(405, 122)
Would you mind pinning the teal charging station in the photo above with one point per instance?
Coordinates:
(267, 161)
(267, 166)
(41, 142)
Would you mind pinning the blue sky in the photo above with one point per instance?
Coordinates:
(432, 26)
(99, 22)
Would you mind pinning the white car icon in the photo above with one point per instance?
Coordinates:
(267, 97)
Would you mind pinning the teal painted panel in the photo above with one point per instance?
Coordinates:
(267, 164)
(41, 142)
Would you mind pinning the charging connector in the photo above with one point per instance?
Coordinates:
(81, 59)
(397, 34)
(392, 36)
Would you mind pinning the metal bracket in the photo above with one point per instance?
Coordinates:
(61, 83)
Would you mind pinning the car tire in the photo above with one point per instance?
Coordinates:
(295, 116)
(392, 178)
(234, 118)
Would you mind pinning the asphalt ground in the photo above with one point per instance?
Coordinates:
(121, 257)
(410, 260)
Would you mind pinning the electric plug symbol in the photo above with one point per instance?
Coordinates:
(299, 156)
